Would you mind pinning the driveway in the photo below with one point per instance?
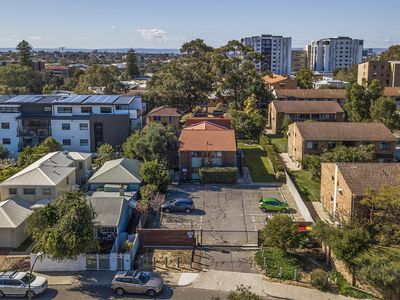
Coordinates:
(224, 215)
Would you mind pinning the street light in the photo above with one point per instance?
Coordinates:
(39, 254)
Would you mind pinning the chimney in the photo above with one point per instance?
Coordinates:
(121, 190)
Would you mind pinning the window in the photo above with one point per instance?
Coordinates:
(80, 165)
(64, 110)
(86, 109)
(6, 141)
(105, 110)
(84, 142)
(47, 108)
(157, 118)
(66, 126)
(385, 146)
(29, 191)
(121, 107)
(331, 145)
(9, 110)
(170, 119)
(83, 126)
(11, 282)
(312, 146)
(67, 180)
(196, 154)
(66, 142)
(12, 191)
(5, 125)
(46, 191)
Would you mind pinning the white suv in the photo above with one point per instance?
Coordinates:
(14, 283)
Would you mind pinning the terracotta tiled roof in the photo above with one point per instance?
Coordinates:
(361, 176)
(344, 131)
(307, 107)
(225, 122)
(311, 94)
(207, 137)
(164, 111)
(274, 78)
(392, 92)
(205, 125)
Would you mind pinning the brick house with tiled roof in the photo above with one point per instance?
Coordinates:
(297, 111)
(205, 144)
(280, 82)
(313, 137)
(343, 185)
(166, 115)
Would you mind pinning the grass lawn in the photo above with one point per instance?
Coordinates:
(256, 160)
(308, 188)
(280, 143)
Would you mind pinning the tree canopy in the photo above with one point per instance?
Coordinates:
(393, 53)
(304, 79)
(64, 228)
(100, 77)
(24, 53)
(384, 110)
(18, 79)
(132, 68)
(105, 152)
(155, 173)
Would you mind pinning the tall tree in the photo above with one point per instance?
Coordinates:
(360, 99)
(98, 76)
(64, 228)
(384, 110)
(105, 152)
(304, 79)
(17, 79)
(393, 53)
(155, 173)
(196, 48)
(132, 69)
(24, 53)
(347, 74)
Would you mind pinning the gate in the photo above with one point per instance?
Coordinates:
(227, 238)
(152, 238)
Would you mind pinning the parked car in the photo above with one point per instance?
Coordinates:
(273, 204)
(13, 283)
(180, 204)
(138, 282)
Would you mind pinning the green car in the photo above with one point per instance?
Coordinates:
(270, 203)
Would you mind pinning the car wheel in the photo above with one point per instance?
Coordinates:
(1, 294)
(167, 210)
(264, 210)
(151, 293)
(119, 291)
(30, 294)
(188, 210)
(284, 210)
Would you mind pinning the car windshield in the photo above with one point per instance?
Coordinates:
(144, 278)
(28, 278)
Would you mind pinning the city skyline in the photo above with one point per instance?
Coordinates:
(157, 24)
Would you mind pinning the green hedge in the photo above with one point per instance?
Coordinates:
(272, 153)
(219, 175)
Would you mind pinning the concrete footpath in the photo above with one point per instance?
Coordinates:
(210, 280)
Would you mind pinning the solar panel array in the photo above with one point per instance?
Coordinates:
(72, 99)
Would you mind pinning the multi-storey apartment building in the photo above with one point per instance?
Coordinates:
(330, 54)
(387, 72)
(313, 138)
(77, 122)
(299, 60)
(276, 51)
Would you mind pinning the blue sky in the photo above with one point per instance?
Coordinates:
(169, 23)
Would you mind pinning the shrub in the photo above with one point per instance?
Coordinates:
(319, 279)
(264, 141)
(276, 161)
(219, 175)
(312, 163)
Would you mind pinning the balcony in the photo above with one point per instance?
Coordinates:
(33, 132)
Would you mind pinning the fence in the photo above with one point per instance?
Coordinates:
(299, 201)
(166, 237)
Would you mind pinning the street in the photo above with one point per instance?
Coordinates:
(103, 292)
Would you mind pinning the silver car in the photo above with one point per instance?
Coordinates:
(14, 283)
(138, 282)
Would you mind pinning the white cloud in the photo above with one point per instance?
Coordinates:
(34, 37)
(154, 34)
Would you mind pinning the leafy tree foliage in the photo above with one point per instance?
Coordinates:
(393, 53)
(3, 151)
(147, 194)
(243, 293)
(18, 79)
(196, 48)
(132, 69)
(347, 74)
(304, 79)
(384, 205)
(64, 228)
(48, 145)
(360, 99)
(99, 76)
(154, 142)
(384, 110)
(281, 232)
(184, 83)
(24, 53)
(155, 173)
(251, 105)
(247, 126)
(105, 152)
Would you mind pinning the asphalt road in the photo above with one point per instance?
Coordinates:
(101, 292)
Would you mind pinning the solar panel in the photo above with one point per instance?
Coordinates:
(25, 99)
(75, 99)
(101, 99)
(124, 100)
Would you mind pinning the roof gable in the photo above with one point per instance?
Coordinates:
(118, 171)
(12, 214)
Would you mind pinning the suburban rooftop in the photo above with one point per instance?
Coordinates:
(307, 107)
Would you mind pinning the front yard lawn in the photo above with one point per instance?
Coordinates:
(255, 159)
(308, 188)
(280, 143)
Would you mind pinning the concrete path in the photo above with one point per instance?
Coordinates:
(227, 281)
(290, 164)
(323, 215)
